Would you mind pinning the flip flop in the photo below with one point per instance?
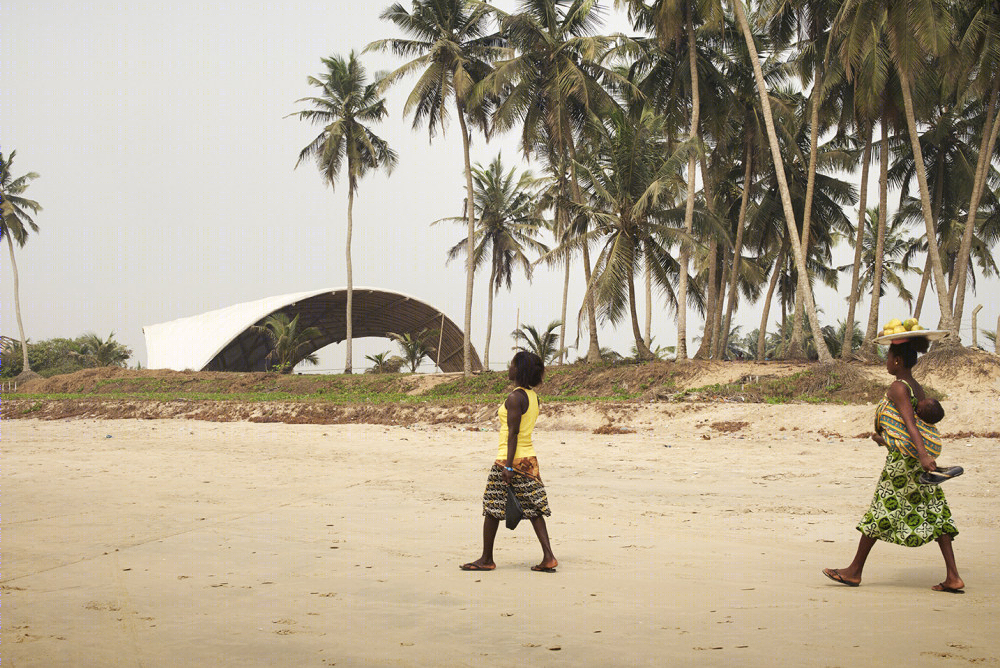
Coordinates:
(837, 577)
(942, 587)
(542, 569)
(476, 567)
(940, 475)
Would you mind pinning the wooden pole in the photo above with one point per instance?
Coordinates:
(975, 329)
(440, 340)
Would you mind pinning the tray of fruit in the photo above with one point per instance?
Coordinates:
(897, 331)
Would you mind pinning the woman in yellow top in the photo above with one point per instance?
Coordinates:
(517, 466)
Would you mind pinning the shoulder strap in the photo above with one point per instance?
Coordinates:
(913, 397)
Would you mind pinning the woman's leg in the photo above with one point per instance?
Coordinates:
(485, 562)
(951, 579)
(548, 559)
(852, 574)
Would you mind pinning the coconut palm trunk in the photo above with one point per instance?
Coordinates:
(924, 280)
(708, 336)
(640, 345)
(648, 337)
(925, 204)
(350, 277)
(470, 265)
(868, 347)
(786, 200)
(717, 350)
(711, 328)
(795, 348)
(983, 164)
(926, 275)
(26, 368)
(685, 254)
(738, 247)
(594, 349)
(565, 298)
(489, 313)
(846, 347)
(775, 275)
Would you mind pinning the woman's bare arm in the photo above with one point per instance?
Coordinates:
(516, 407)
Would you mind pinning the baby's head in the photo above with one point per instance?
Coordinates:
(930, 411)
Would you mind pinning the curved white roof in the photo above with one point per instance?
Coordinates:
(194, 342)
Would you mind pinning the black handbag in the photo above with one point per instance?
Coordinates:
(512, 512)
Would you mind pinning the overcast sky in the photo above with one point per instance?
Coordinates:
(166, 161)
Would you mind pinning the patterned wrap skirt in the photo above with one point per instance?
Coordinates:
(904, 511)
(529, 490)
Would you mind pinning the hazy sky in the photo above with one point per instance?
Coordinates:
(166, 161)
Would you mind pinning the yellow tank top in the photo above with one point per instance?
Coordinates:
(524, 446)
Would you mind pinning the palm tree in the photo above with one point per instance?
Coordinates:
(415, 347)
(915, 32)
(15, 223)
(383, 363)
(800, 260)
(449, 40)
(544, 344)
(980, 45)
(835, 336)
(628, 179)
(343, 107)
(896, 247)
(550, 87)
(811, 20)
(508, 226)
(752, 136)
(95, 351)
(288, 344)
(674, 22)
(991, 336)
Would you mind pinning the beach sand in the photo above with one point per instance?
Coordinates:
(696, 540)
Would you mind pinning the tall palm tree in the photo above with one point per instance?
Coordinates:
(550, 87)
(800, 260)
(15, 224)
(343, 107)
(287, 343)
(811, 20)
(674, 23)
(916, 31)
(508, 227)
(979, 42)
(752, 139)
(453, 51)
(628, 178)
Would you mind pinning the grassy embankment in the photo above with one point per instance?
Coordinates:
(662, 381)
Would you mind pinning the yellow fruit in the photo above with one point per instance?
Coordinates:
(895, 322)
(886, 332)
(916, 328)
(910, 323)
(898, 330)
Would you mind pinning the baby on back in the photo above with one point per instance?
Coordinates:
(930, 411)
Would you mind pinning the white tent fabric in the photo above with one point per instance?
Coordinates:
(221, 340)
(191, 343)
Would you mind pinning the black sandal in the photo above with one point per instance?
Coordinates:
(940, 475)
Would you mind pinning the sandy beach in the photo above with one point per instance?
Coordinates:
(696, 540)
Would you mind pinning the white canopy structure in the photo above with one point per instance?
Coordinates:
(223, 340)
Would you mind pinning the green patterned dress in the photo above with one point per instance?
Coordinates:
(904, 511)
